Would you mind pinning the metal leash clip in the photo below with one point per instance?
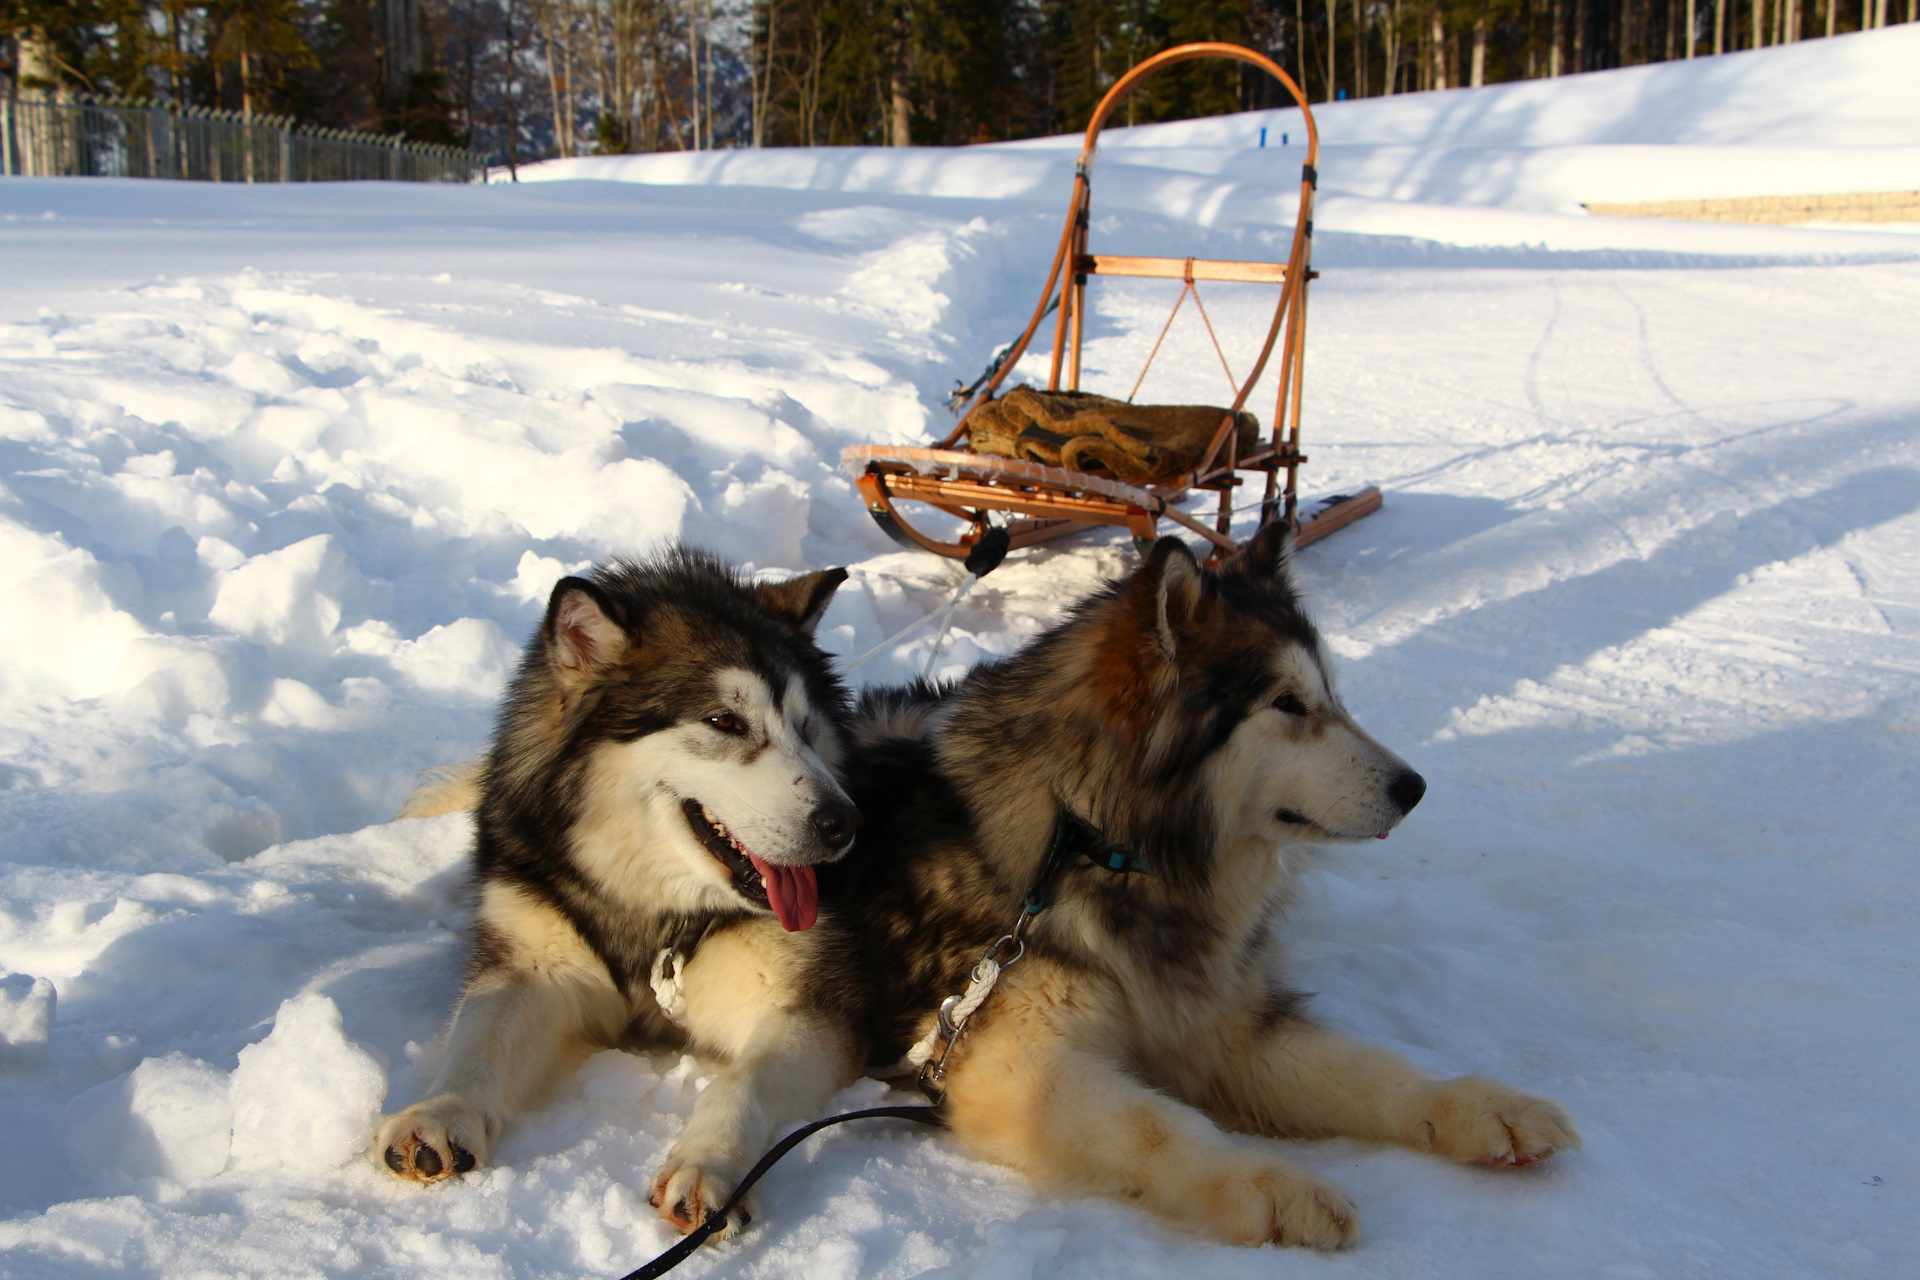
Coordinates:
(1017, 938)
(955, 1010)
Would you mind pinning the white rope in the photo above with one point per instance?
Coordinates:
(946, 607)
(668, 990)
(985, 974)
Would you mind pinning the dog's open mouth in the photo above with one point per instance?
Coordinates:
(791, 893)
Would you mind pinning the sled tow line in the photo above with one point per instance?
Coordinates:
(981, 561)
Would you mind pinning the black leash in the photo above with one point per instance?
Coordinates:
(717, 1220)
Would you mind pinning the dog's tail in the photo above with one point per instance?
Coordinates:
(903, 712)
(447, 788)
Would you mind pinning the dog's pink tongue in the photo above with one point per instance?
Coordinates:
(793, 893)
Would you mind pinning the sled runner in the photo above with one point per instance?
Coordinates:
(1060, 460)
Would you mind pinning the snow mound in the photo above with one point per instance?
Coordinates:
(26, 1018)
(60, 633)
(289, 597)
(306, 1098)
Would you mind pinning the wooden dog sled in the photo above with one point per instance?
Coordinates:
(1061, 460)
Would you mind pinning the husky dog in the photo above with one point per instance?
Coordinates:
(1181, 735)
(659, 792)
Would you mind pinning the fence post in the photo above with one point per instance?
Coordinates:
(26, 139)
(6, 135)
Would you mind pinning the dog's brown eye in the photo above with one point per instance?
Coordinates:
(727, 722)
(1290, 703)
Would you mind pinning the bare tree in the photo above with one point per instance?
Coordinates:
(1393, 49)
(760, 68)
(1360, 58)
(1332, 44)
(899, 102)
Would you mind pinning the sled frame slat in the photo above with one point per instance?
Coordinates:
(1114, 264)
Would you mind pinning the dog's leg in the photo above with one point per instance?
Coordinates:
(1074, 1119)
(783, 1064)
(527, 1014)
(1290, 1078)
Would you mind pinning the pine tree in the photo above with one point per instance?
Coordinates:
(257, 41)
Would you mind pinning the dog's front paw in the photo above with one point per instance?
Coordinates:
(1313, 1213)
(686, 1193)
(1484, 1122)
(432, 1140)
(1278, 1203)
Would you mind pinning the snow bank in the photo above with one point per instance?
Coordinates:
(1463, 167)
(1855, 90)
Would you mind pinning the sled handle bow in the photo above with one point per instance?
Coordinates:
(1082, 189)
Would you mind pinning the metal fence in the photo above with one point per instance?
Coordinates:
(91, 137)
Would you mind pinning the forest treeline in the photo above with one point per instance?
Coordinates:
(526, 79)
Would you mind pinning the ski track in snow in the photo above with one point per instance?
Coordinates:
(288, 474)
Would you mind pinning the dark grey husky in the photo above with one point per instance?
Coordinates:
(1174, 745)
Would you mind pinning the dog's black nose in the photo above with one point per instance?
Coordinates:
(1406, 790)
(837, 822)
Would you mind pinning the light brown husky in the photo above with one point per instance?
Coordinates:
(651, 817)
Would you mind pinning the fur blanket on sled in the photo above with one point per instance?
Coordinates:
(1139, 444)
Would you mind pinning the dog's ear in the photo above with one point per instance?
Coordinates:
(1268, 555)
(1177, 589)
(582, 631)
(802, 600)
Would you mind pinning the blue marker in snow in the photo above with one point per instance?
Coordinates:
(1263, 135)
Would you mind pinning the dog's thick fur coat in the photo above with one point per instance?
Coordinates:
(659, 790)
(1189, 717)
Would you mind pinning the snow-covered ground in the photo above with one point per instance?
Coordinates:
(285, 474)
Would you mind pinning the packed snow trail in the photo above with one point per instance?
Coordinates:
(286, 474)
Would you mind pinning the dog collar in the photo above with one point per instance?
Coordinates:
(1073, 835)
